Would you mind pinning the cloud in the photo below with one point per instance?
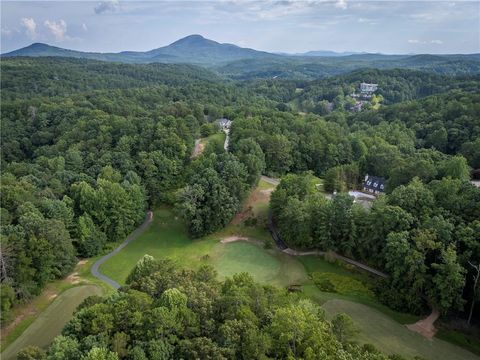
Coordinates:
(57, 28)
(84, 27)
(106, 6)
(341, 4)
(30, 27)
(416, 41)
(6, 31)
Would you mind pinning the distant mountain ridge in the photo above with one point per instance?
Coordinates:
(244, 63)
(194, 49)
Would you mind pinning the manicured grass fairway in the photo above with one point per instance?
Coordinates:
(51, 321)
(391, 337)
(167, 238)
(266, 266)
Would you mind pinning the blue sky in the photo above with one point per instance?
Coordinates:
(281, 26)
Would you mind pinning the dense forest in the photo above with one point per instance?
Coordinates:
(88, 147)
(80, 167)
(423, 234)
(169, 313)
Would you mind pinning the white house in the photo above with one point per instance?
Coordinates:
(367, 88)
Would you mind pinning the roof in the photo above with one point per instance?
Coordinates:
(375, 183)
(223, 121)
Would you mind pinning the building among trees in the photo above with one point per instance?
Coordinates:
(374, 184)
(367, 88)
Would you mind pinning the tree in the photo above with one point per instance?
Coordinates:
(343, 327)
(31, 353)
(278, 157)
(251, 155)
(100, 354)
(476, 276)
(64, 347)
(455, 167)
(90, 239)
(448, 281)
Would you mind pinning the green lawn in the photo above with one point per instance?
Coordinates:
(165, 238)
(266, 266)
(391, 337)
(220, 136)
(51, 321)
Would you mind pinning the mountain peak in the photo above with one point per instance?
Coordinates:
(39, 45)
(192, 39)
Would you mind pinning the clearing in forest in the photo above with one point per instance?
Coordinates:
(391, 337)
(52, 320)
(247, 247)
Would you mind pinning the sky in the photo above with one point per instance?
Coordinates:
(391, 27)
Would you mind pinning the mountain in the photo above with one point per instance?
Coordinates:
(245, 63)
(193, 49)
(327, 53)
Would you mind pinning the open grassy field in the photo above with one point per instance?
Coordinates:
(391, 337)
(167, 237)
(220, 137)
(51, 321)
(26, 314)
(266, 266)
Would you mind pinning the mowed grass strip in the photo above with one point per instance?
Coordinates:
(51, 321)
(391, 337)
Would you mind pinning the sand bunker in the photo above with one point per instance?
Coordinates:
(230, 239)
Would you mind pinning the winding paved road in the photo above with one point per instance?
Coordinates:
(129, 239)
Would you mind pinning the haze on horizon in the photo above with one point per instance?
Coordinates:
(391, 27)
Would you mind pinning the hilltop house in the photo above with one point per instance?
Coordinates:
(374, 184)
(367, 88)
(224, 124)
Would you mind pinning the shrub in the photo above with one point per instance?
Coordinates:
(345, 285)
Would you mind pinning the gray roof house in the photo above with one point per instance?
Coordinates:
(224, 123)
(374, 184)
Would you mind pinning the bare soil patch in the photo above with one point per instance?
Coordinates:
(256, 197)
(73, 278)
(233, 238)
(426, 327)
(82, 262)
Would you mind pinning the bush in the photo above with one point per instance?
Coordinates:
(251, 221)
(325, 285)
(345, 285)
(330, 257)
(267, 244)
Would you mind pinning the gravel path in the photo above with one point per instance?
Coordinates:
(129, 239)
(270, 180)
(197, 149)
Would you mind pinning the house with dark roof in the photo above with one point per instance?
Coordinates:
(224, 123)
(374, 184)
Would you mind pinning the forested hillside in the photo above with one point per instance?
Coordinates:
(89, 146)
(85, 147)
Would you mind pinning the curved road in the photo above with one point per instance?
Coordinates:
(129, 239)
